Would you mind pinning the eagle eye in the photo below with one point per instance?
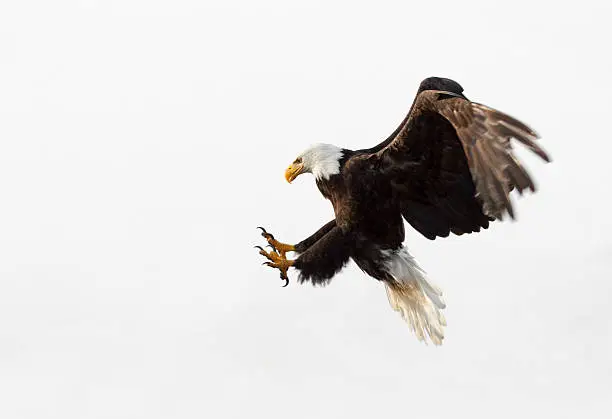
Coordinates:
(298, 160)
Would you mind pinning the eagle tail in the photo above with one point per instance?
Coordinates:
(417, 299)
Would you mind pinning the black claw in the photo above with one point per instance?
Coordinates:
(259, 247)
(286, 281)
(265, 234)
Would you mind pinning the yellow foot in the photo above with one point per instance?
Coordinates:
(277, 261)
(280, 248)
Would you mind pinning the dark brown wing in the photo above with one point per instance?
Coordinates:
(452, 164)
(430, 83)
(486, 134)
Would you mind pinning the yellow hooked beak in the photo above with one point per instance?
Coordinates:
(293, 171)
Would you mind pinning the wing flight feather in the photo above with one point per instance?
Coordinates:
(486, 136)
(441, 128)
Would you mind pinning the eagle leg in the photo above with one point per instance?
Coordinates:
(277, 261)
(280, 248)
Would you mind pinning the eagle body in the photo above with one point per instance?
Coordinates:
(366, 216)
(448, 168)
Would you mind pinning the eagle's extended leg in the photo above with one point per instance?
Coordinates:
(277, 261)
(277, 257)
(280, 248)
(301, 247)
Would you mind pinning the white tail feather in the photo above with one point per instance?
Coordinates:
(418, 300)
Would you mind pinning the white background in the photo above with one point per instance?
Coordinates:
(141, 143)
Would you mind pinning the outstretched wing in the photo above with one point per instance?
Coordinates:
(485, 135)
(430, 83)
(452, 165)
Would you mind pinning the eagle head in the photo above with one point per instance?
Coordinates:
(322, 160)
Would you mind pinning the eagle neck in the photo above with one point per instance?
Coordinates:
(332, 186)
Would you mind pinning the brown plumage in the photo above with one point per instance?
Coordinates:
(443, 138)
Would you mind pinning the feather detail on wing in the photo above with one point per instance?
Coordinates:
(485, 135)
(452, 163)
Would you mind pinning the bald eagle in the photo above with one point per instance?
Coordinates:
(448, 168)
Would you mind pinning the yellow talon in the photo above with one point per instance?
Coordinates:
(277, 261)
(283, 266)
(271, 256)
(281, 248)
